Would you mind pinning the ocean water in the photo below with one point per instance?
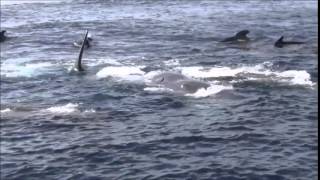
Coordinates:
(257, 120)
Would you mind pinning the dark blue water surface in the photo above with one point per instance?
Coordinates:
(258, 119)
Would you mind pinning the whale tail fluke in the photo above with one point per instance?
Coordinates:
(78, 64)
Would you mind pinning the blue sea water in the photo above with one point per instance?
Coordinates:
(257, 120)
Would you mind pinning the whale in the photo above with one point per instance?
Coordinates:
(280, 43)
(78, 63)
(2, 36)
(241, 36)
(178, 82)
(174, 81)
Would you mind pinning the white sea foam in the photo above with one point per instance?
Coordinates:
(64, 109)
(7, 110)
(211, 90)
(258, 72)
(11, 2)
(296, 77)
(157, 89)
(61, 109)
(90, 111)
(95, 62)
(201, 72)
(27, 70)
(172, 62)
(129, 73)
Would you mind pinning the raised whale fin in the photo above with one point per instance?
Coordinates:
(78, 65)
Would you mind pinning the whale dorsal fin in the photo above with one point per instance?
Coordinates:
(78, 64)
(242, 34)
(280, 39)
(279, 42)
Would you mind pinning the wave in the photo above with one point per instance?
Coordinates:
(23, 67)
(129, 73)
(6, 110)
(67, 109)
(26, 70)
(211, 90)
(14, 2)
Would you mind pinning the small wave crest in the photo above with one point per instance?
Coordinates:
(157, 89)
(6, 110)
(26, 70)
(68, 108)
(211, 90)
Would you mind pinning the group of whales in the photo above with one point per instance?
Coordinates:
(174, 81)
(241, 36)
(170, 80)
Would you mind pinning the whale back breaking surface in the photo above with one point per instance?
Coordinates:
(178, 82)
(280, 43)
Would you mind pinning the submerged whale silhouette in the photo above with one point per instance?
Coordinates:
(178, 82)
(280, 43)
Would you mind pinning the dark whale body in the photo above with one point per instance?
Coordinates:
(178, 82)
(2, 36)
(239, 37)
(281, 43)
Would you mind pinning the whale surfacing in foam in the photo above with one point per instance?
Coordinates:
(178, 82)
